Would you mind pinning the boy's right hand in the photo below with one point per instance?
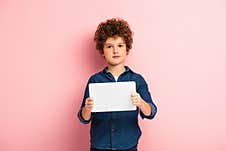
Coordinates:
(89, 103)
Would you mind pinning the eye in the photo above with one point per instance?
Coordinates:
(109, 46)
(120, 45)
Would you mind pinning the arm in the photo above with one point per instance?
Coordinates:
(84, 114)
(86, 111)
(140, 103)
(147, 107)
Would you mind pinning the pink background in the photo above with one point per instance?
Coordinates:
(48, 53)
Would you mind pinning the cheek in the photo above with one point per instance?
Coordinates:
(107, 56)
(105, 52)
(125, 52)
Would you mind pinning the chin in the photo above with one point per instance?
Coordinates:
(115, 64)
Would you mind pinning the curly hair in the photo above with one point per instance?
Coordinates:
(111, 28)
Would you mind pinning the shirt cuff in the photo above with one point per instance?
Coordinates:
(153, 112)
(82, 120)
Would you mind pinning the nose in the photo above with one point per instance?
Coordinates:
(115, 50)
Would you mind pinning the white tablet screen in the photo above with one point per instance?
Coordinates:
(112, 96)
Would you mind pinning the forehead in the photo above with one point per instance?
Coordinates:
(115, 40)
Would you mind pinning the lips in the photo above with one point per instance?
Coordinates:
(115, 56)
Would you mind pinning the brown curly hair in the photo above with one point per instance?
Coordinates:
(111, 28)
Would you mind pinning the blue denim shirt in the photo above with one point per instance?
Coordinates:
(117, 130)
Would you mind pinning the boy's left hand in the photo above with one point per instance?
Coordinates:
(136, 99)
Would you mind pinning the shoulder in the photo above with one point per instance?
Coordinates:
(95, 77)
(138, 77)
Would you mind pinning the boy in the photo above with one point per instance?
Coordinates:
(116, 130)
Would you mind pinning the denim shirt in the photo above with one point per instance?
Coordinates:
(117, 130)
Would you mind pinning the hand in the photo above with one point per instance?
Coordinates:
(89, 103)
(136, 99)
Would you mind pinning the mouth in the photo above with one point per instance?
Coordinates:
(115, 57)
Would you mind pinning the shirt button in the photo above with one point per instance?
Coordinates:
(112, 129)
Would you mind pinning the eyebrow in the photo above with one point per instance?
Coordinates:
(112, 44)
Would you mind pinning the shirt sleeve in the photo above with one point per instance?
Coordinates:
(86, 95)
(146, 96)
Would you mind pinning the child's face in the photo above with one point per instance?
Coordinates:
(114, 51)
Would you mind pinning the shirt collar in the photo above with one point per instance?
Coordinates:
(127, 69)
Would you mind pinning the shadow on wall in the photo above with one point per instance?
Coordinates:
(89, 62)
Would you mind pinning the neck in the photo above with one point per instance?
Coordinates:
(116, 70)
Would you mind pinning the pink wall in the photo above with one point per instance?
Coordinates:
(47, 54)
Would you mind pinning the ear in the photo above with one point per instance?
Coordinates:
(102, 54)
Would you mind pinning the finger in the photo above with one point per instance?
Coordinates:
(134, 101)
(89, 106)
(133, 93)
(134, 98)
(136, 95)
(136, 104)
(89, 100)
